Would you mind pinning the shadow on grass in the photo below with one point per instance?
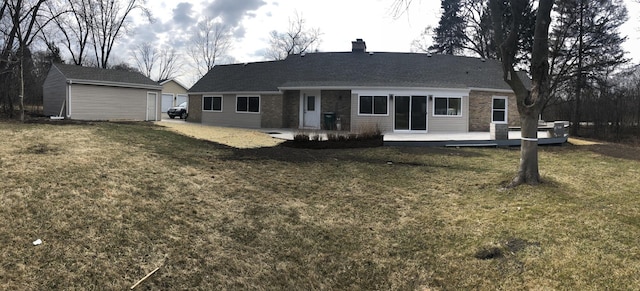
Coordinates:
(183, 149)
(613, 150)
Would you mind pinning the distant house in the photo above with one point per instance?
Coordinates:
(397, 92)
(173, 93)
(84, 93)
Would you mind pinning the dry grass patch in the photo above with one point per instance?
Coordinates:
(233, 137)
(112, 202)
(582, 142)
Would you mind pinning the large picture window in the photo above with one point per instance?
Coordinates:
(499, 110)
(248, 104)
(374, 105)
(447, 106)
(212, 103)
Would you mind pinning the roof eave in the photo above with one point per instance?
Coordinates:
(234, 92)
(114, 84)
(491, 90)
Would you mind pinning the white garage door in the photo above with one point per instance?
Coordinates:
(167, 102)
(181, 98)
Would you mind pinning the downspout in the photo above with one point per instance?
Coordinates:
(69, 82)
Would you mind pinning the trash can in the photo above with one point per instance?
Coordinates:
(329, 120)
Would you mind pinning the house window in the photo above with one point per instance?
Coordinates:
(447, 106)
(499, 110)
(374, 105)
(248, 104)
(212, 103)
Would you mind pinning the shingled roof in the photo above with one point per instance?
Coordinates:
(354, 69)
(98, 76)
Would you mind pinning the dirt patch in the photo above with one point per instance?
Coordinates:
(233, 137)
(42, 149)
(510, 246)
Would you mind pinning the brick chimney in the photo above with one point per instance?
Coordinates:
(358, 46)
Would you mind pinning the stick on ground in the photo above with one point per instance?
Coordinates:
(145, 277)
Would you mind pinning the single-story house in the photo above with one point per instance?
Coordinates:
(84, 93)
(353, 91)
(173, 93)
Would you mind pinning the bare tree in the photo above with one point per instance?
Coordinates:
(296, 40)
(424, 41)
(210, 42)
(168, 64)
(156, 64)
(73, 20)
(530, 101)
(22, 22)
(145, 56)
(109, 18)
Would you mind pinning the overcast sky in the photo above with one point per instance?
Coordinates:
(340, 21)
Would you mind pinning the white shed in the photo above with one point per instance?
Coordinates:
(84, 93)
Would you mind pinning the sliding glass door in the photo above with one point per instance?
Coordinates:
(410, 113)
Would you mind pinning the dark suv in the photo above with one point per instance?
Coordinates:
(180, 111)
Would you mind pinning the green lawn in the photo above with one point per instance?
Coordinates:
(111, 202)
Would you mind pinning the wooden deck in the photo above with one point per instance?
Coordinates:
(467, 139)
(440, 139)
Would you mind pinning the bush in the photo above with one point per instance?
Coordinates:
(370, 136)
(301, 137)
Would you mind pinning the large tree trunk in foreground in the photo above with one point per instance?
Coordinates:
(530, 101)
(528, 172)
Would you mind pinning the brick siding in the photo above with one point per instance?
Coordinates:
(271, 111)
(195, 108)
(339, 102)
(480, 110)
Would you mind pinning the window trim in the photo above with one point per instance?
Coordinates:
(249, 96)
(213, 96)
(433, 112)
(373, 105)
(506, 109)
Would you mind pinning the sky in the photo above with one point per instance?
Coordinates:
(340, 22)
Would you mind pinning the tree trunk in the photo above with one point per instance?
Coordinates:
(530, 101)
(21, 97)
(528, 172)
(579, 83)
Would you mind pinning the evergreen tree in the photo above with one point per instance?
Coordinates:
(450, 34)
(466, 27)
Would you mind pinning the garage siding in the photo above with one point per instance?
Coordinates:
(54, 92)
(90, 102)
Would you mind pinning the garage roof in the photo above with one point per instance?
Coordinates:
(106, 77)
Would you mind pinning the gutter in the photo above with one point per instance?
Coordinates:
(114, 84)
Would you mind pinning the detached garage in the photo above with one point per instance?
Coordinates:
(83, 93)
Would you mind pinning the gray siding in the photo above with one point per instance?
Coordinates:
(386, 123)
(449, 123)
(54, 91)
(229, 117)
(90, 102)
(365, 123)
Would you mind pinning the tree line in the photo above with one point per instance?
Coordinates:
(36, 33)
(592, 83)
